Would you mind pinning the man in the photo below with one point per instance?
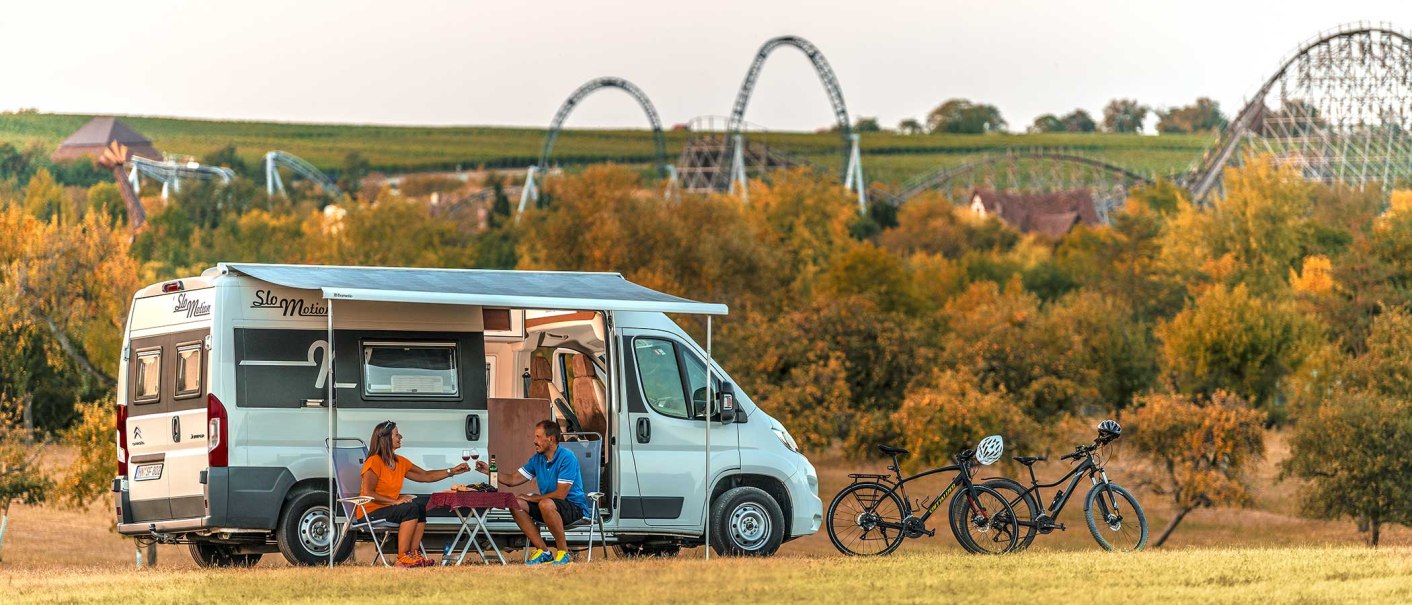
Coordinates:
(560, 500)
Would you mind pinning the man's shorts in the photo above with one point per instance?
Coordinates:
(568, 511)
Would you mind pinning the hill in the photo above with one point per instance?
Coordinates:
(887, 157)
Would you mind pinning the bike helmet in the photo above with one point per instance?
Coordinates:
(1109, 429)
(990, 449)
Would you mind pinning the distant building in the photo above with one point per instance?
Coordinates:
(92, 138)
(1049, 214)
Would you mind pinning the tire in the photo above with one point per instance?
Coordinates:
(746, 522)
(638, 550)
(305, 531)
(220, 555)
(849, 531)
(1113, 529)
(1025, 505)
(995, 521)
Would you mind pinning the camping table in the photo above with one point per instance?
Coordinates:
(470, 508)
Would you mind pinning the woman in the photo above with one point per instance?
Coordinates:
(383, 473)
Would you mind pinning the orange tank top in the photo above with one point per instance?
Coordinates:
(389, 483)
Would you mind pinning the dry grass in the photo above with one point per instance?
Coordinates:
(1189, 575)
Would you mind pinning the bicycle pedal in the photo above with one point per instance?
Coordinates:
(931, 533)
(1049, 527)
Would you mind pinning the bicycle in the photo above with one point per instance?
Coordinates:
(871, 516)
(1104, 505)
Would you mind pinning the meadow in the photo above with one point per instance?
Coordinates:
(888, 158)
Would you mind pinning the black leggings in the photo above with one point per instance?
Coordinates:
(402, 513)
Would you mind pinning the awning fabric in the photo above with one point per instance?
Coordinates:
(512, 289)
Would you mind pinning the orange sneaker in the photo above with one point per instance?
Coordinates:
(405, 560)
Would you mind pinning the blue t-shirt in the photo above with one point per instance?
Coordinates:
(547, 474)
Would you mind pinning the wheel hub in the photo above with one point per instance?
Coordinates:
(749, 526)
(315, 532)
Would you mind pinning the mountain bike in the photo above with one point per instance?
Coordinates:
(1114, 516)
(872, 516)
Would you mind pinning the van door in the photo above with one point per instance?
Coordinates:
(166, 425)
(665, 380)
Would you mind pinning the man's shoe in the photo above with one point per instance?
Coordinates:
(542, 557)
(562, 559)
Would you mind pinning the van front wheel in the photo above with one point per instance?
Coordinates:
(746, 522)
(306, 532)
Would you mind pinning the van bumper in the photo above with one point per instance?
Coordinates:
(248, 497)
(804, 495)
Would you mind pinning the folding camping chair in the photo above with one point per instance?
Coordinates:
(348, 468)
(589, 454)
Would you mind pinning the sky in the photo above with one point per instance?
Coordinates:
(473, 62)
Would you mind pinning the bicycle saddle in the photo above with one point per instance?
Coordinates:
(892, 451)
(1029, 460)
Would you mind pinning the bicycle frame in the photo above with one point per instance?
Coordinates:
(1076, 474)
(962, 478)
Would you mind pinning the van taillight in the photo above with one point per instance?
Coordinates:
(172, 286)
(122, 440)
(217, 427)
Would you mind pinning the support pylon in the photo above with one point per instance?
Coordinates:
(854, 174)
(529, 192)
(738, 176)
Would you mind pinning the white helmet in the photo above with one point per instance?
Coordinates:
(990, 449)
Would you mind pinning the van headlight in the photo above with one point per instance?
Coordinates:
(786, 439)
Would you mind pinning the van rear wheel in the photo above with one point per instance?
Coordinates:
(746, 522)
(221, 555)
(305, 532)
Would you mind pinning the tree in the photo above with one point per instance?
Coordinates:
(1202, 116)
(1047, 123)
(20, 476)
(961, 116)
(865, 124)
(92, 472)
(945, 411)
(1200, 450)
(355, 168)
(1233, 341)
(1124, 115)
(229, 157)
(1078, 120)
(910, 126)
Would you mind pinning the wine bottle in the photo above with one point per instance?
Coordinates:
(494, 473)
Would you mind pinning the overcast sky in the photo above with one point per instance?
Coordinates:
(513, 62)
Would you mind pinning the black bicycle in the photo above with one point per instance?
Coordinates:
(871, 516)
(1114, 516)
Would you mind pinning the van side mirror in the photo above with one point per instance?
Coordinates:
(727, 398)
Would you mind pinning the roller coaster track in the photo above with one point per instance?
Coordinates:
(591, 87)
(821, 66)
(273, 182)
(171, 172)
(1037, 170)
(1344, 112)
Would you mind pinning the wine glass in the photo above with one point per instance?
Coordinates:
(473, 453)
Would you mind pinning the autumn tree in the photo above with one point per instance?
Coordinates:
(961, 116)
(21, 478)
(1202, 116)
(1124, 115)
(1199, 448)
(1232, 340)
(91, 438)
(911, 126)
(1350, 441)
(945, 411)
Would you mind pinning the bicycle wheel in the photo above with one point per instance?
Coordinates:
(865, 519)
(984, 520)
(1115, 518)
(1025, 505)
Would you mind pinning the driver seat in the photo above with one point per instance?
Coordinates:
(888, 450)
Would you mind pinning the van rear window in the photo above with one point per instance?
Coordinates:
(188, 368)
(147, 376)
(410, 369)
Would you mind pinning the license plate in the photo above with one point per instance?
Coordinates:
(148, 472)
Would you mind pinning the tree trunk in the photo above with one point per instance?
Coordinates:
(1376, 527)
(4, 520)
(1171, 526)
(27, 402)
(136, 214)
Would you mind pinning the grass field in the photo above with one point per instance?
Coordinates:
(1312, 575)
(887, 157)
(1265, 553)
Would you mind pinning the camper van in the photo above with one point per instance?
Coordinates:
(233, 384)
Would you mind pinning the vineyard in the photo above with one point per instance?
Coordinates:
(887, 157)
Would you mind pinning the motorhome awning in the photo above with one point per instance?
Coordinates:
(490, 288)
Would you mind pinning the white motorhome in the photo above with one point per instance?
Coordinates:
(227, 397)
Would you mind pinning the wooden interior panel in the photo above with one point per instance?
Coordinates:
(511, 433)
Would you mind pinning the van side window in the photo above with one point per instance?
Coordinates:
(696, 383)
(188, 369)
(660, 375)
(147, 376)
(421, 369)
